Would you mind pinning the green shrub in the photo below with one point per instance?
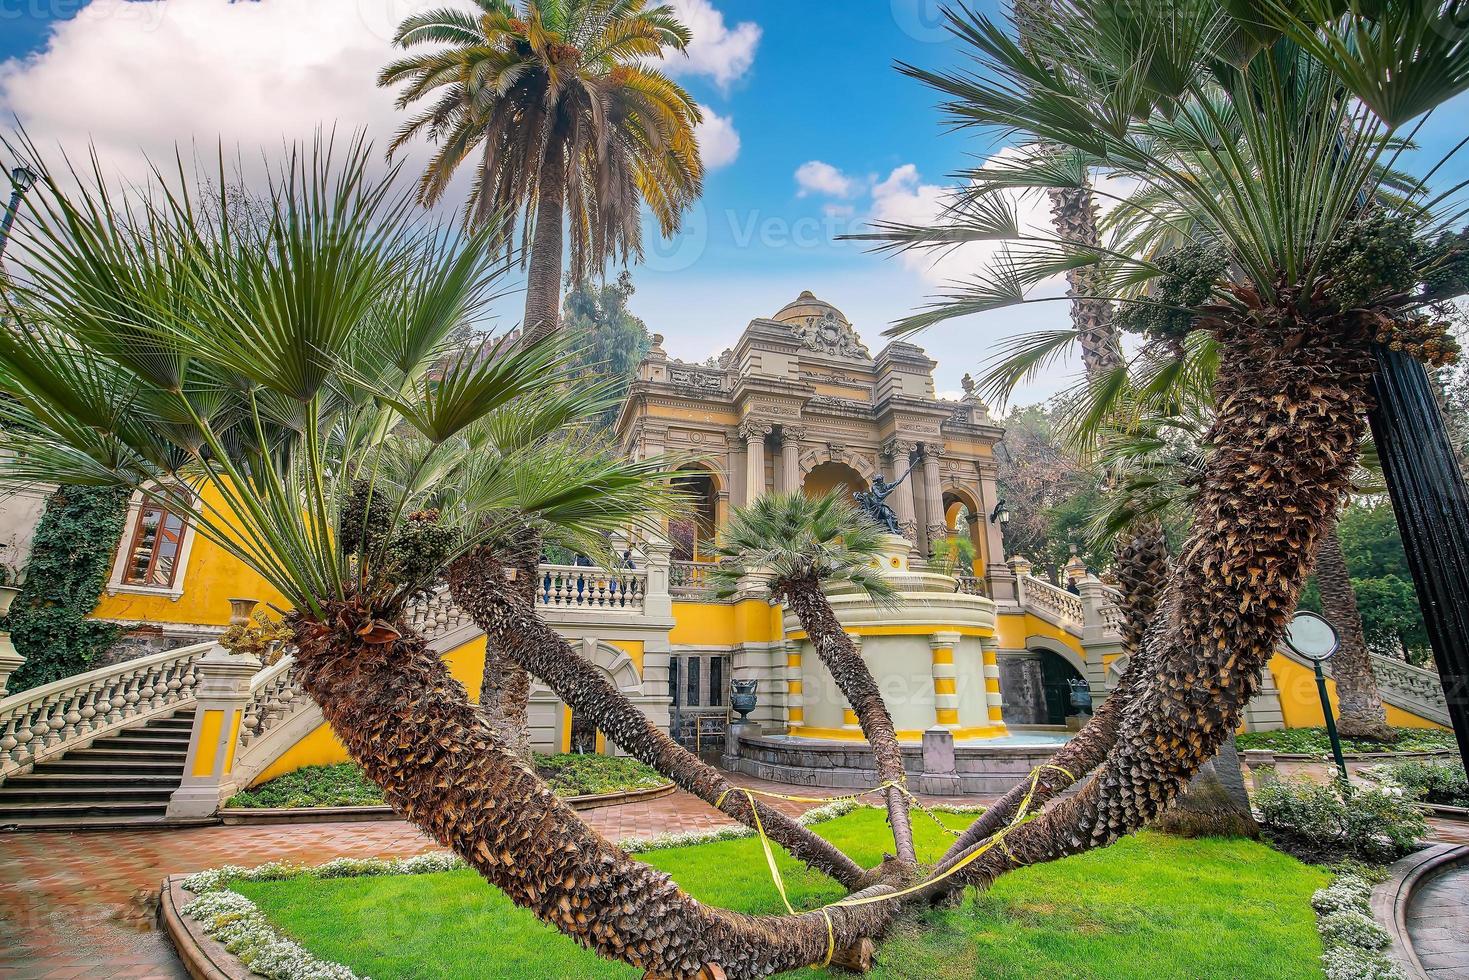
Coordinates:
(589, 775)
(1316, 820)
(1313, 741)
(1432, 781)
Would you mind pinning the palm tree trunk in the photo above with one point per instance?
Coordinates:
(415, 733)
(1291, 398)
(505, 685)
(543, 283)
(512, 625)
(855, 680)
(1361, 713)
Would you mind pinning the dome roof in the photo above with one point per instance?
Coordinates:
(807, 305)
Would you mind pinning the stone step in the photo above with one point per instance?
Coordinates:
(12, 796)
(155, 733)
(46, 778)
(147, 765)
(130, 755)
(141, 742)
(50, 813)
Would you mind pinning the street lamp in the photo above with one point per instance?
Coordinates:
(1317, 640)
(1000, 515)
(22, 179)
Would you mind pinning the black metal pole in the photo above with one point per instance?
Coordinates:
(1336, 753)
(1432, 506)
(9, 219)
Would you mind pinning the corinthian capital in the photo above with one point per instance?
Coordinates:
(755, 429)
(899, 449)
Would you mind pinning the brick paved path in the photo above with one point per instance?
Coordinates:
(1438, 924)
(83, 904)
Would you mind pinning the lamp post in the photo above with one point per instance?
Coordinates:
(1316, 640)
(22, 179)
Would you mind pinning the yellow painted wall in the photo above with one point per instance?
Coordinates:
(1301, 705)
(717, 624)
(1013, 630)
(212, 577)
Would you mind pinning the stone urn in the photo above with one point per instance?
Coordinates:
(743, 698)
(1081, 696)
(7, 596)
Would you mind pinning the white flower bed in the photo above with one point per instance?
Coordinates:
(238, 924)
(1354, 946)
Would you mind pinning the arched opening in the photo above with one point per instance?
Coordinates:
(1041, 687)
(964, 519)
(829, 476)
(694, 535)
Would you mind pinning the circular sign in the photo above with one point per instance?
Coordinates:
(1311, 636)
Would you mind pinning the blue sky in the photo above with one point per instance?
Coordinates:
(812, 133)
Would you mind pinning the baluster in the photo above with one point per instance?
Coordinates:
(73, 715)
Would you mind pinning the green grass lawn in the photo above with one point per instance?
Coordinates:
(1150, 907)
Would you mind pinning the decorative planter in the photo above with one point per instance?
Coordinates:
(743, 699)
(7, 596)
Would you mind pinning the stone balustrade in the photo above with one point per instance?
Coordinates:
(276, 695)
(1052, 602)
(586, 587)
(689, 578)
(48, 721)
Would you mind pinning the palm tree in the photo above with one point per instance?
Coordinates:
(1361, 714)
(797, 546)
(569, 122)
(1269, 135)
(303, 383)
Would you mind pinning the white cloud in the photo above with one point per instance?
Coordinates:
(719, 141)
(839, 211)
(903, 198)
(160, 73)
(818, 177)
(716, 51)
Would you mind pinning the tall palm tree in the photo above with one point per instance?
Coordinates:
(1361, 714)
(1270, 134)
(559, 106)
(303, 381)
(796, 547)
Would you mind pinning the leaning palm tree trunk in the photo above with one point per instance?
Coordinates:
(1286, 440)
(1362, 714)
(413, 729)
(510, 622)
(505, 685)
(855, 680)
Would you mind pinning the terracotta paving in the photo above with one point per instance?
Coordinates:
(83, 904)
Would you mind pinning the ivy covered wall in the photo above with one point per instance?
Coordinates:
(71, 556)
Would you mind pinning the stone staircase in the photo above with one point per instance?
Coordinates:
(126, 777)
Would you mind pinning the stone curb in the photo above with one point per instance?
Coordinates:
(1357, 756)
(1391, 898)
(267, 816)
(202, 957)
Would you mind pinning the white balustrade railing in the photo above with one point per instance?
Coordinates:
(588, 587)
(689, 578)
(275, 696)
(1047, 598)
(48, 721)
(970, 585)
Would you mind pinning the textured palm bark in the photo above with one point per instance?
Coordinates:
(1290, 402)
(512, 624)
(855, 680)
(543, 282)
(1141, 565)
(505, 685)
(416, 734)
(1361, 712)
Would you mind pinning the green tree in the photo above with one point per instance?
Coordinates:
(610, 341)
(558, 106)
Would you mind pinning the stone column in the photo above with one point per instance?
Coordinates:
(945, 684)
(795, 687)
(754, 431)
(896, 453)
(935, 527)
(1020, 568)
(221, 689)
(1001, 579)
(790, 457)
(993, 700)
(657, 602)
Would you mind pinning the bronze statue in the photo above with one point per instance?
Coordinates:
(874, 502)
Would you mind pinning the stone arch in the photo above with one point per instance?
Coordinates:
(612, 661)
(1047, 644)
(861, 463)
(703, 483)
(956, 498)
(827, 476)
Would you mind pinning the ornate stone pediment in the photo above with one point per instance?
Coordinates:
(828, 333)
